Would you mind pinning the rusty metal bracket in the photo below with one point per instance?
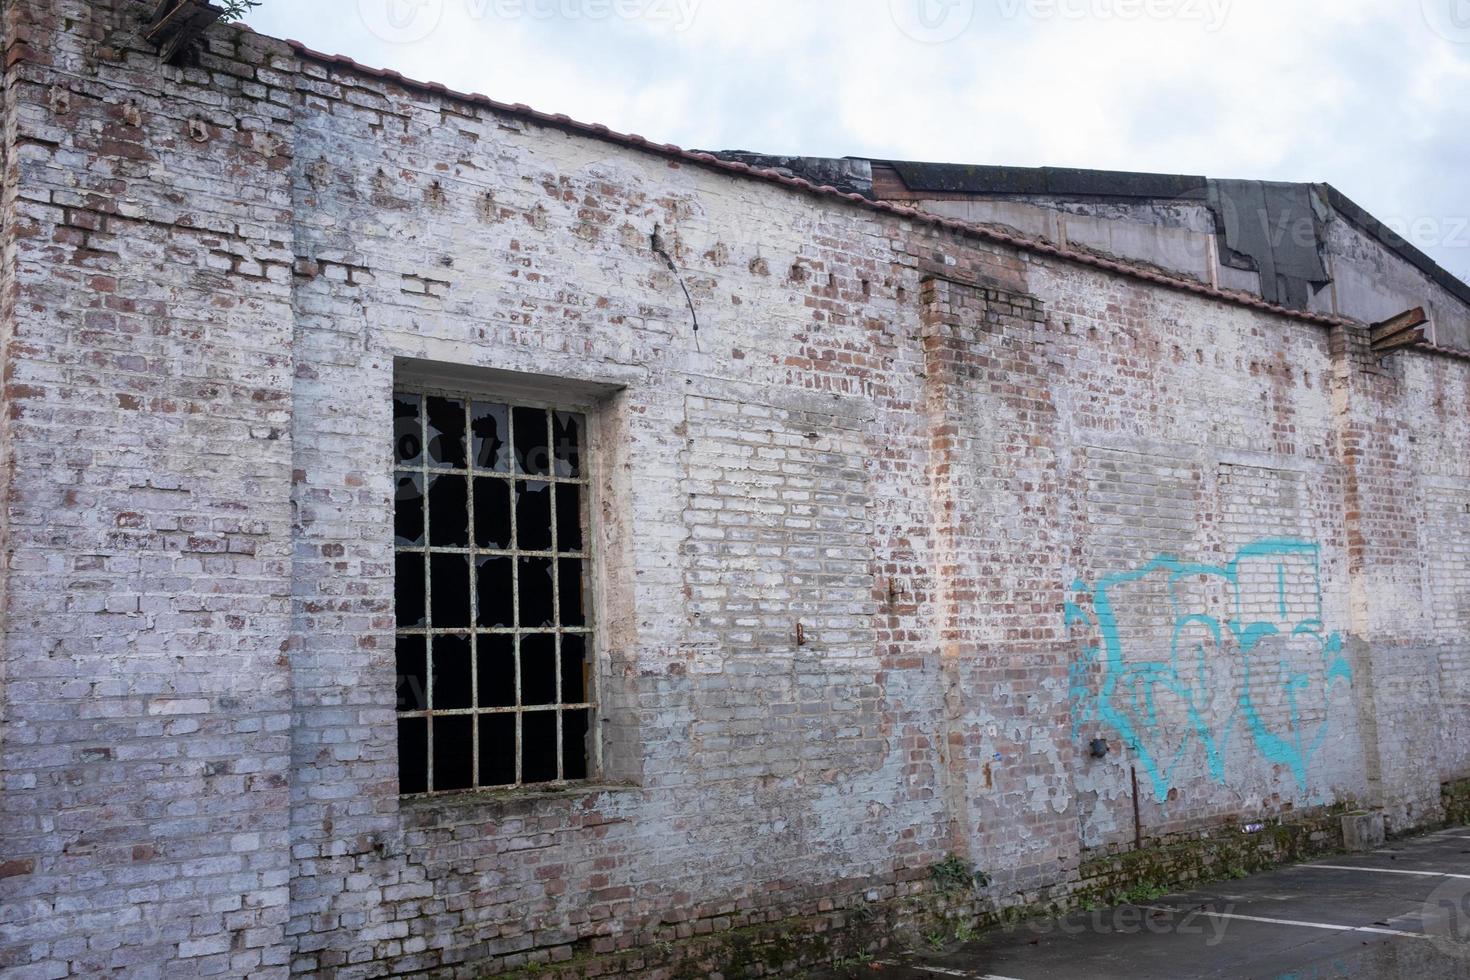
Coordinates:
(1404, 330)
(176, 24)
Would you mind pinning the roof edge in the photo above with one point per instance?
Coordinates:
(1364, 221)
(711, 162)
(1458, 353)
(1070, 182)
(997, 180)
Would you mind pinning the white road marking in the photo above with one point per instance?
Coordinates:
(946, 972)
(1288, 922)
(942, 971)
(1385, 871)
(1333, 927)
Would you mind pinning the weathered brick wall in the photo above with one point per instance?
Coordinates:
(1455, 797)
(998, 539)
(148, 378)
(1408, 477)
(1209, 559)
(748, 490)
(9, 191)
(946, 460)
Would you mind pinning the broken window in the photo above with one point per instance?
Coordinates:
(495, 682)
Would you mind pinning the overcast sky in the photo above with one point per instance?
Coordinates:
(1370, 95)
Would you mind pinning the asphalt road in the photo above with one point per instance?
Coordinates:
(1399, 912)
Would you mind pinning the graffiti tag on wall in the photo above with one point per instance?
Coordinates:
(1179, 658)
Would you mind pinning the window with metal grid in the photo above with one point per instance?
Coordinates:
(494, 644)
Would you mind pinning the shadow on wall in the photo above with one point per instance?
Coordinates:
(1246, 648)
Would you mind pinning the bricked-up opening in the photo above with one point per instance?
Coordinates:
(494, 641)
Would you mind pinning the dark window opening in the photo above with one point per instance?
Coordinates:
(495, 681)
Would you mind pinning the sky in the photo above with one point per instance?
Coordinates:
(1372, 96)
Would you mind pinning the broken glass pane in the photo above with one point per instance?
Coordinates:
(452, 686)
(492, 513)
(566, 437)
(535, 507)
(408, 510)
(408, 435)
(534, 589)
(532, 456)
(497, 653)
(449, 511)
(412, 663)
(449, 577)
(538, 746)
(538, 668)
(568, 517)
(533, 515)
(446, 433)
(413, 755)
(454, 746)
(574, 725)
(496, 594)
(408, 589)
(497, 750)
(492, 430)
(572, 611)
(575, 681)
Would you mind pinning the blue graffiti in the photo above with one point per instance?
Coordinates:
(1272, 588)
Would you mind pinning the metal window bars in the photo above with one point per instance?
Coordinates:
(494, 641)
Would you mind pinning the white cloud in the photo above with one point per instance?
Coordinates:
(1360, 93)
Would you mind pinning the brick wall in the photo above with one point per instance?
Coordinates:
(997, 533)
(1012, 503)
(148, 381)
(1407, 483)
(1210, 563)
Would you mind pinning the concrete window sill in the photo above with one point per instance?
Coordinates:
(500, 803)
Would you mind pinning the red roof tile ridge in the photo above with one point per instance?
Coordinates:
(1444, 350)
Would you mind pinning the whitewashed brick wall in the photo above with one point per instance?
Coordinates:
(919, 446)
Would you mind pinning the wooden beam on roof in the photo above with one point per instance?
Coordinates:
(1404, 330)
(176, 24)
